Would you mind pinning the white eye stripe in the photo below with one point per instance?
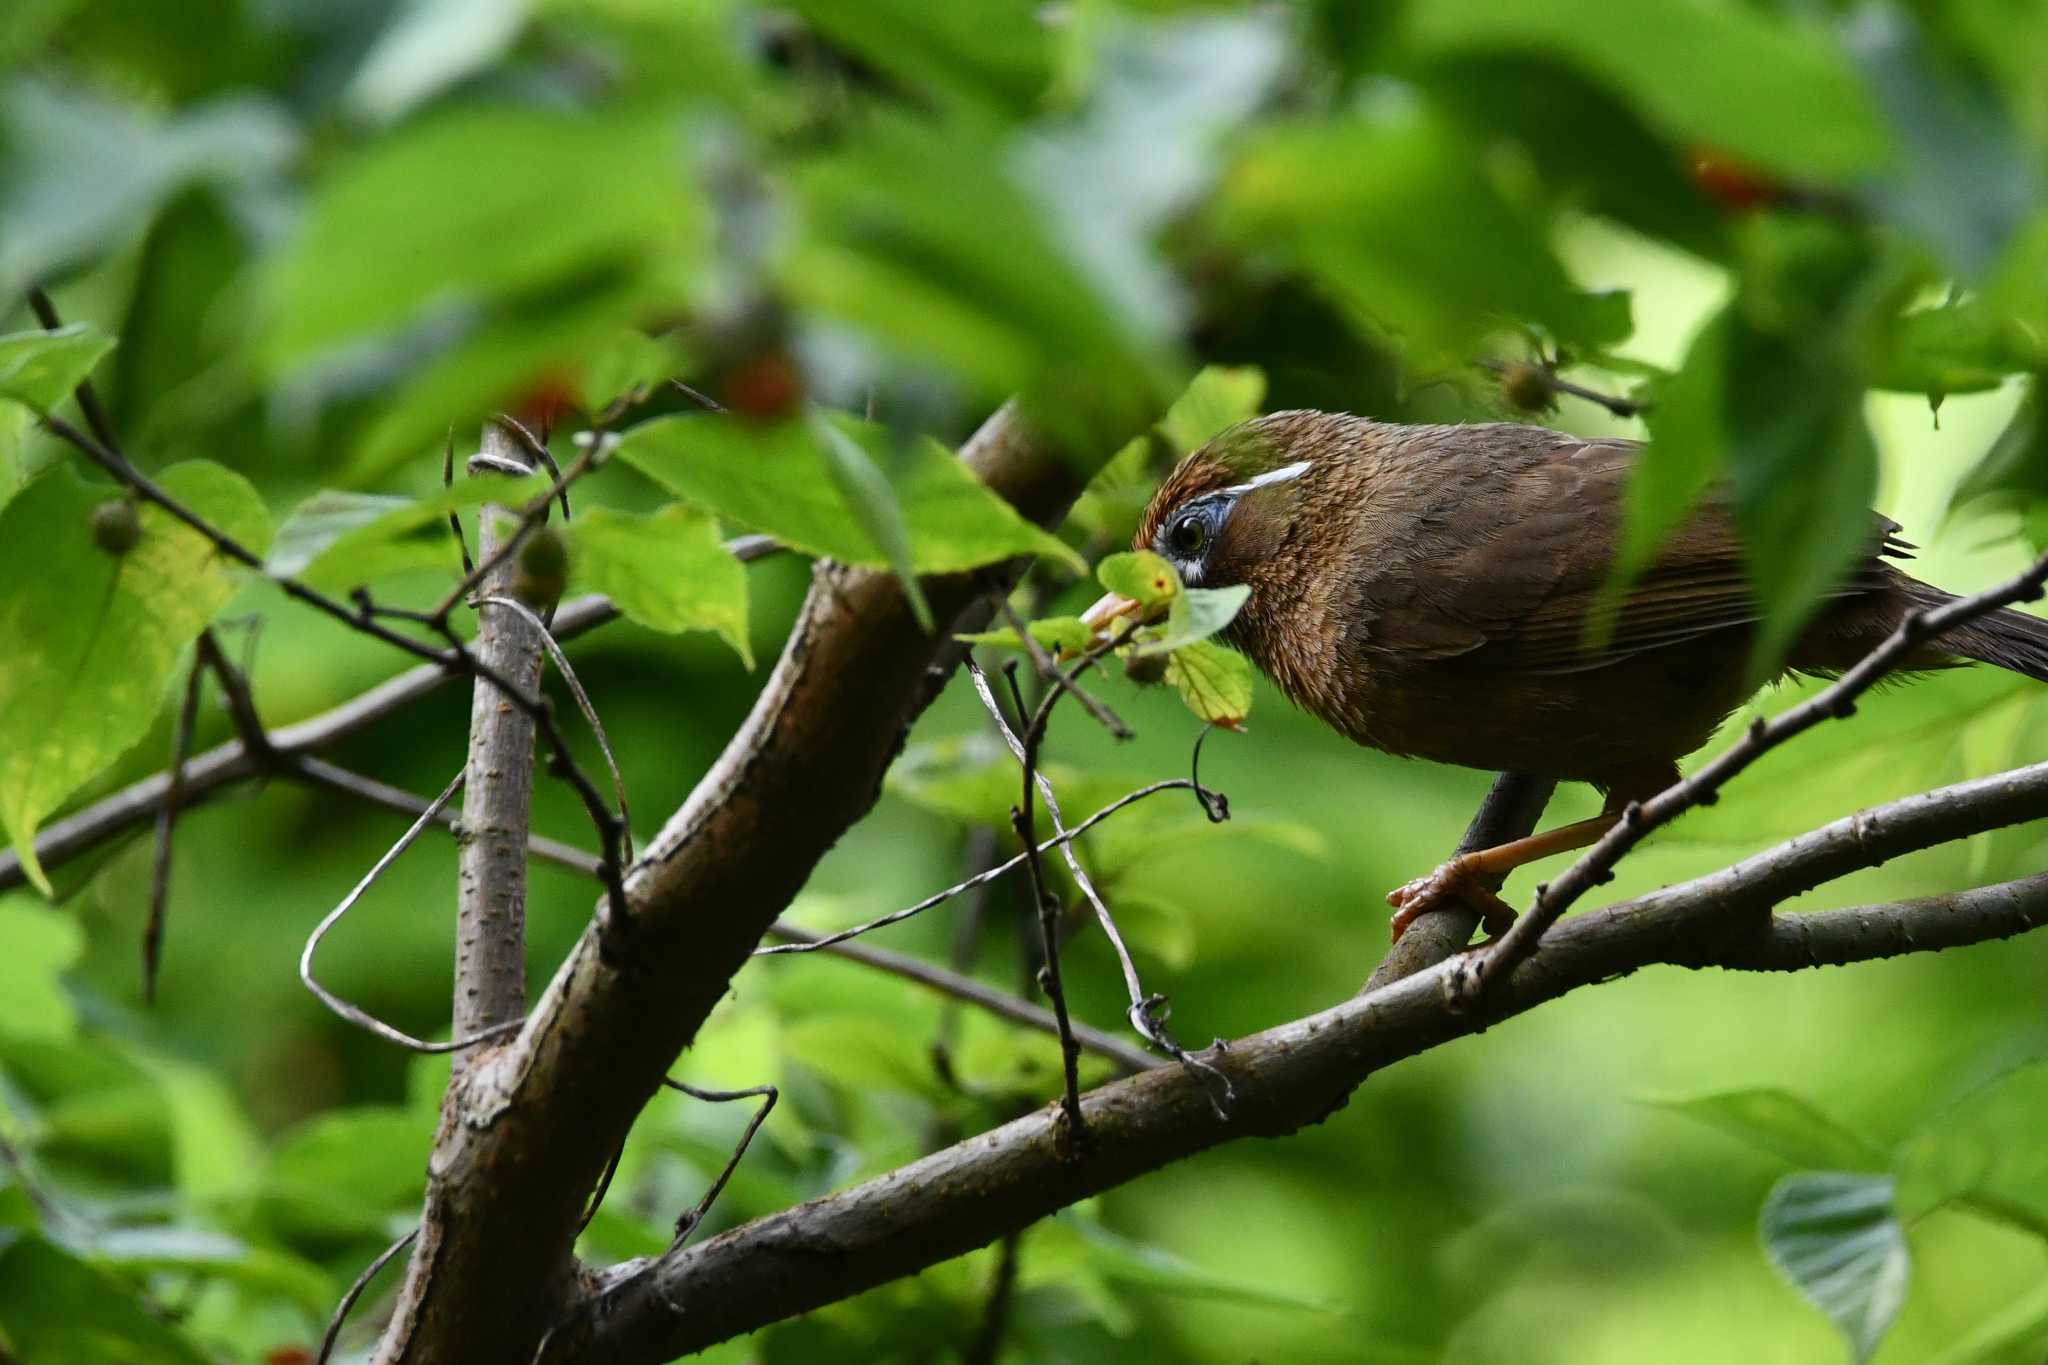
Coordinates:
(1284, 474)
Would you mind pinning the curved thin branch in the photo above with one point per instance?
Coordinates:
(1298, 1073)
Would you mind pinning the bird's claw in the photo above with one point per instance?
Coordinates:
(1455, 881)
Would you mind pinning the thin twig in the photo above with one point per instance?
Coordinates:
(955, 985)
(88, 401)
(702, 400)
(1053, 676)
(166, 819)
(455, 519)
(987, 1345)
(583, 704)
(1048, 908)
(979, 879)
(1619, 406)
(355, 1291)
(1837, 702)
(536, 450)
(1148, 1012)
(362, 1018)
(767, 1094)
(530, 516)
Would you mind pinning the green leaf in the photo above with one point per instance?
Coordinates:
(625, 368)
(988, 53)
(1395, 218)
(668, 571)
(42, 944)
(195, 1251)
(84, 173)
(344, 1175)
(2015, 1335)
(872, 501)
(774, 479)
(1059, 634)
(1775, 92)
(1983, 1152)
(1837, 1238)
(58, 1308)
(1963, 347)
(89, 641)
(2015, 467)
(451, 209)
(1140, 575)
(1684, 452)
(1141, 1264)
(429, 45)
(338, 539)
(1215, 683)
(40, 369)
(1196, 614)
(1783, 1125)
(1218, 397)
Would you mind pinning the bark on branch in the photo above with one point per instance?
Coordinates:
(1298, 1073)
(527, 1133)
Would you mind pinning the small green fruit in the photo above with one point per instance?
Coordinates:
(1528, 387)
(1145, 669)
(540, 573)
(116, 526)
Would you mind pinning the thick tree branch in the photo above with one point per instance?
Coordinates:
(1296, 1074)
(526, 1135)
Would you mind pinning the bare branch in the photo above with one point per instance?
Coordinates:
(1297, 1074)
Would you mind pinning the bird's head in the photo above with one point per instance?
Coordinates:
(1226, 509)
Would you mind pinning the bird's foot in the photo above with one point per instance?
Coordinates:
(1456, 881)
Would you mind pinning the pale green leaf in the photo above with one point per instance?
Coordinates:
(89, 642)
(1783, 1125)
(1214, 682)
(338, 539)
(40, 369)
(58, 1308)
(774, 479)
(668, 571)
(42, 944)
(343, 1175)
(1064, 634)
(1836, 1237)
(1140, 575)
(1196, 614)
(1984, 1152)
(1219, 397)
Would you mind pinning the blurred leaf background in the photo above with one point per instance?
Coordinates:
(327, 236)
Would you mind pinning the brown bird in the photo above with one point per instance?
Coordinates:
(1427, 591)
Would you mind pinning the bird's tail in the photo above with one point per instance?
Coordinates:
(2008, 638)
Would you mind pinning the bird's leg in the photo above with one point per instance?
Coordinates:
(1471, 877)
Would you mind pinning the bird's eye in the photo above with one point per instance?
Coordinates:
(1189, 535)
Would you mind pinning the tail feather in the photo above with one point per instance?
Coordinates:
(2008, 638)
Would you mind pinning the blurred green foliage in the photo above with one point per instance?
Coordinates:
(329, 239)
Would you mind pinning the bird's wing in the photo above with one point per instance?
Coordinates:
(1505, 566)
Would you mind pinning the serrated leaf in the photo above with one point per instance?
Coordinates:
(774, 479)
(668, 571)
(872, 501)
(1140, 575)
(1196, 614)
(1783, 1125)
(1836, 1236)
(1984, 1151)
(40, 369)
(1054, 633)
(1214, 682)
(88, 642)
(1218, 397)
